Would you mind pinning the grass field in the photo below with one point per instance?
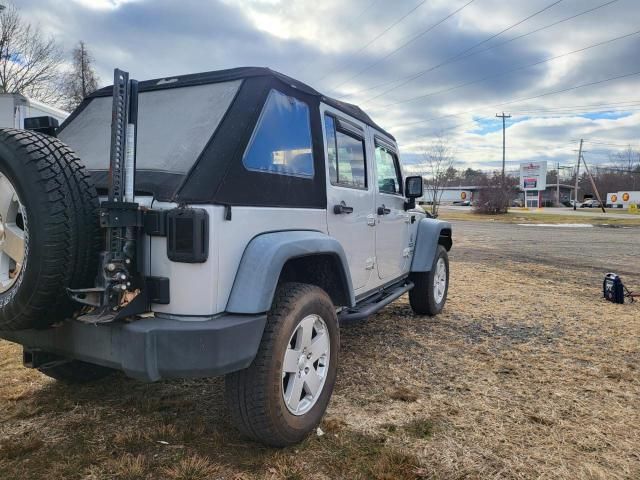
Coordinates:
(535, 217)
(528, 373)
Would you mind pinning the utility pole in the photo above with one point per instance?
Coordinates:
(503, 117)
(593, 185)
(558, 184)
(575, 200)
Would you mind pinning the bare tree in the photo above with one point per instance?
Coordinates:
(438, 166)
(496, 194)
(628, 159)
(29, 63)
(82, 80)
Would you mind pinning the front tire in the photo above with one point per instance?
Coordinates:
(429, 294)
(284, 393)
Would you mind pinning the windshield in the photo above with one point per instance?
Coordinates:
(174, 125)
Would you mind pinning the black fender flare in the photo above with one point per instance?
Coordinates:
(262, 262)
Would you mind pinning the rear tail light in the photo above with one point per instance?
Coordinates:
(188, 235)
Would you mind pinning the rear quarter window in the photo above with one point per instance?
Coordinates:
(281, 141)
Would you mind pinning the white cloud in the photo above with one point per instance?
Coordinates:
(321, 43)
(102, 4)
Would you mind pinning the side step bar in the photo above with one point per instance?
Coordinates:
(372, 304)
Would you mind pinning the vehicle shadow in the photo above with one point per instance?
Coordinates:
(121, 417)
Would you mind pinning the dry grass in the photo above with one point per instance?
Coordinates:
(535, 217)
(525, 375)
(193, 467)
(128, 467)
(403, 393)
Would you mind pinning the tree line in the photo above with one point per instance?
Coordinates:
(36, 66)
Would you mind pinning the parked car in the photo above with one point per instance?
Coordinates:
(251, 217)
(591, 203)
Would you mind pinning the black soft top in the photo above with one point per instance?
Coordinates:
(218, 175)
(239, 73)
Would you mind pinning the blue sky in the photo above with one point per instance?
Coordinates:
(421, 69)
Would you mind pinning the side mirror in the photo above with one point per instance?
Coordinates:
(412, 190)
(413, 187)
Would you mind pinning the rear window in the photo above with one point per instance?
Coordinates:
(281, 142)
(174, 126)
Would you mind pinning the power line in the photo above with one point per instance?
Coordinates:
(596, 107)
(381, 34)
(531, 114)
(508, 72)
(510, 27)
(510, 102)
(474, 121)
(411, 40)
(608, 144)
(460, 55)
(364, 10)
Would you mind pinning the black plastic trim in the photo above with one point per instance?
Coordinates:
(158, 290)
(151, 349)
(155, 223)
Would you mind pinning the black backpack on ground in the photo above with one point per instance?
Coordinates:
(612, 288)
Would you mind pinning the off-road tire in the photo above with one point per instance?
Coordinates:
(76, 371)
(421, 296)
(63, 234)
(254, 395)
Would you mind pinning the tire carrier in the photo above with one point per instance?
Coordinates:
(120, 216)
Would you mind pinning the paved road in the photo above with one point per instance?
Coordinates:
(599, 249)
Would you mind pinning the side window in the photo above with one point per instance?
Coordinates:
(281, 141)
(345, 153)
(388, 171)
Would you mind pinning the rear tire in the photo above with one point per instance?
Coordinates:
(61, 233)
(264, 405)
(75, 371)
(425, 298)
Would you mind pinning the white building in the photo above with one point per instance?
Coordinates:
(623, 199)
(451, 195)
(14, 108)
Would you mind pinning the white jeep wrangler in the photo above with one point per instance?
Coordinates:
(222, 223)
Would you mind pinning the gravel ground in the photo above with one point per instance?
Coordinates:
(594, 250)
(527, 373)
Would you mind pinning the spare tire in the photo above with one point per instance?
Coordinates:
(49, 230)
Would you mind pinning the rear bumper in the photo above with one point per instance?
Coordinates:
(155, 348)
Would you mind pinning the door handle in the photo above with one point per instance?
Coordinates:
(342, 208)
(382, 210)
